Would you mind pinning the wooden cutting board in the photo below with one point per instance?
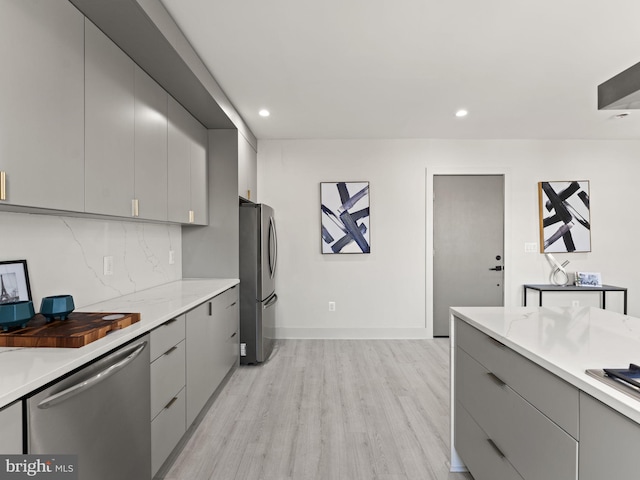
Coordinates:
(78, 330)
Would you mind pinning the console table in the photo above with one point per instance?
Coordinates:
(603, 289)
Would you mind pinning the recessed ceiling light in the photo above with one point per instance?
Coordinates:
(461, 113)
(264, 112)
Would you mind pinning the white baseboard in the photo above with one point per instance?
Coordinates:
(353, 333)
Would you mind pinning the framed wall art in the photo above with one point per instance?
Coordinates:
(14, 281)
(345, 223)
(565, 221)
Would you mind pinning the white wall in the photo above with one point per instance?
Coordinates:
(65, 255)
(388, 292)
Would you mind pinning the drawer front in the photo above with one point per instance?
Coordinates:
(482, 459)
(220, 302)
(553, 396)
(526, 436)
(166, 430)
(167, 377)
(166, 336)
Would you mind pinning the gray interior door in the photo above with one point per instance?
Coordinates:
(468, 257)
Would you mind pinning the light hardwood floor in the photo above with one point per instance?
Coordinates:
(329, 410)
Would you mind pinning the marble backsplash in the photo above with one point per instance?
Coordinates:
(65, 255)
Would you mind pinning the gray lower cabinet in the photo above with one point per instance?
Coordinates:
(168, 393)
(209, 355)
(42, 98)
(507, 423)
(11, 421)
(109, 126)
(187, 167)
(608, 442)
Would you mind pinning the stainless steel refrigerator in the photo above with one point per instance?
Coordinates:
(258, 258)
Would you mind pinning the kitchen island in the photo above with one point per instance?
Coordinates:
(523, 405)
(27, 369)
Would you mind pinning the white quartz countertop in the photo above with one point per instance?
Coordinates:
(567, 341)
(23, 370)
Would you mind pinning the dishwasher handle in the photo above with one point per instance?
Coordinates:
(95, 379)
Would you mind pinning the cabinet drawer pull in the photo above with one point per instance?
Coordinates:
(3, 185)
(496, 448)
(497, 343)
(171, 350)
(496, 379)
(232, 304)
(171, 402)
(169, 322)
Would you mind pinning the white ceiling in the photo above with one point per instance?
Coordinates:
(401, 68)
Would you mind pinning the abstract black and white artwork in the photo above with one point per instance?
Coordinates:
(345, 217)
(565, 222)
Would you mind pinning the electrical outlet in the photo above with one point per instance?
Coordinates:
(530, 247)
(332, 306)
(107, 264)
(172, 257)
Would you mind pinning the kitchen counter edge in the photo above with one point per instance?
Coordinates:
(25, 370)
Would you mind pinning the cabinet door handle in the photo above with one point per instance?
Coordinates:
(496, 448)
(496, 342)
(135, 207)
(3, 185)
(192, 216)
(234, 334)
(171, 350)
(496, 379)
(169, 322)
(232, 304)
(210, 309)
(171, 402)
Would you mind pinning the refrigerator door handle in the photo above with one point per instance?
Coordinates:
(271, 301)
(273, 247)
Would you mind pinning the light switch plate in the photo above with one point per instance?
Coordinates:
(530, 247)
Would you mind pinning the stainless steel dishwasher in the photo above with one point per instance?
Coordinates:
(100, 413)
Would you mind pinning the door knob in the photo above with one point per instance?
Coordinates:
(497, 268)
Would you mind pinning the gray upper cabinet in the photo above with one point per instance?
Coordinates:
(109, 126)
(42, 95)
(198, 177)
(187, 167)
(247, 169)
(150, 148)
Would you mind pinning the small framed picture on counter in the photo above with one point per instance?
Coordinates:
(14, 281)
(588, 279)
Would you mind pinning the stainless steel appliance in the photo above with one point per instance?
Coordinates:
(258, 258)
(99, 413)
